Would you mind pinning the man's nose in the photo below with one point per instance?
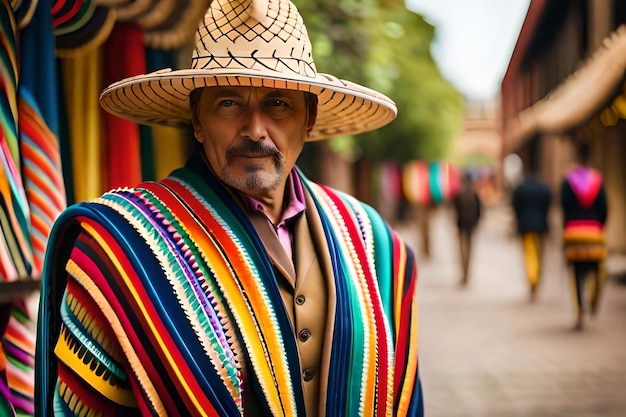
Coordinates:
(255, 126)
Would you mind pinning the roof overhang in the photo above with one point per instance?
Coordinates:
(580, 97)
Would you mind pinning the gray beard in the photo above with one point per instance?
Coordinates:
(255, 179)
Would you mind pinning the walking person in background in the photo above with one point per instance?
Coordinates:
(584, 205)
(235, 286)
(467, 207)
(531, 203)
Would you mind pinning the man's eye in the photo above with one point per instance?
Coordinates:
(227, 103)
(276, 102)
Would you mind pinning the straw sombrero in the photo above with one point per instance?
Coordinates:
(81, 26)
(158, 13)
(260, 43)
(24, 11)
(132, 10)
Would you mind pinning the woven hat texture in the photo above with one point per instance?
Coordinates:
(260, 43)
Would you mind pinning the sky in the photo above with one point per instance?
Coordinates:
(474, 40)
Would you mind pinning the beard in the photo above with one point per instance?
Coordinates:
(256, 174)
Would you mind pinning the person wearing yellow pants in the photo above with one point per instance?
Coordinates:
(532, 244)
(531, 202)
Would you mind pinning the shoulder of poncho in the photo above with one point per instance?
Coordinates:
(322, 191)
(360, 212)
(101, 207)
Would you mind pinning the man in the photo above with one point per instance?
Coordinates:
(235, 286)
(531, 203)
(467, 206)
(584, 205)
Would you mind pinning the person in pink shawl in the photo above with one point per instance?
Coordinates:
(584, 205)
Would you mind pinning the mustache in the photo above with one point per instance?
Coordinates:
(251, 148)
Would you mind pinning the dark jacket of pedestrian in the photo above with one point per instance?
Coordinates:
(531, 202)
(467, 207)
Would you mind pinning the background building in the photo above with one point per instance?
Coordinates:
(565, 83)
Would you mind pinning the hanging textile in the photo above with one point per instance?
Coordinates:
(124, 57)
(170, 147)
(38, 130)
(51, 75)
(415, 183)
(82, 76)
(80, 26)
(15, 255)
(31, 187)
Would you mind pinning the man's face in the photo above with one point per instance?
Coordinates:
(252, 136)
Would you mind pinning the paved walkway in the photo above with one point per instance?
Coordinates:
(486, 350)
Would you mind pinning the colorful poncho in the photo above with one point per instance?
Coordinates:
(174, 274)
(583, 200)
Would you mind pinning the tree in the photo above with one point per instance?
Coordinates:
(385, 46)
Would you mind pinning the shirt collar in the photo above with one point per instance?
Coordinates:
(294, 195)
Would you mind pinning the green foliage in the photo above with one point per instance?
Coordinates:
(384, 46)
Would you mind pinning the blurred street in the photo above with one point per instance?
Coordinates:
(486, 350)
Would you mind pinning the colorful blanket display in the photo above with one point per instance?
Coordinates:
(180, 285)
(51, 55)
(429, 183)
(31, 189)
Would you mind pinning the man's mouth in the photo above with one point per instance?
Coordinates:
(253, 155)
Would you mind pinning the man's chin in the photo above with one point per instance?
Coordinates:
(253, 181)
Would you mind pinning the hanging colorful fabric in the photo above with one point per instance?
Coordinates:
(82, 81)
(80, 26)
(26, 214)
(415, 183)
(124, 56)
(39, 144)
(24, 10)
(14, 213)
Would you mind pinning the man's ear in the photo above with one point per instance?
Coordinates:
(311, 106)
(197, 130)
(311, 122)
(194, 104)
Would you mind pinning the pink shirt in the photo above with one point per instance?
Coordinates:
(294, 195)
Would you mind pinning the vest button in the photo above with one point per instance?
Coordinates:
(308, 374)
(304, 334)
(300, 300)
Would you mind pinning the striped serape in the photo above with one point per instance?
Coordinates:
(155, 297)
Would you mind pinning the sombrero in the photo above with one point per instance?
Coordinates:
(156, 14)
(81, 25)
(24, 10)
(260, 43)
(129, 11)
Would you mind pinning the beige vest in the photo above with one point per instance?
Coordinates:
(305, 292)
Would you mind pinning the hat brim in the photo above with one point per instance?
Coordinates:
(162, 98)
